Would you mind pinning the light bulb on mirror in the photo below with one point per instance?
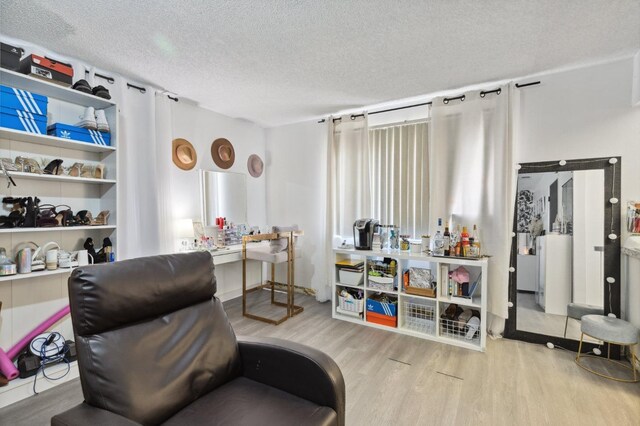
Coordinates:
(611, 280)
(613, 236)
(563, 162)
(613, 160)
(613, 200)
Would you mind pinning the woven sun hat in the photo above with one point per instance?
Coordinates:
(184, 154)
(255, 165)
(223, 153)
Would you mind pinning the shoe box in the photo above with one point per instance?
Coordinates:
(80, 134)
(23, 110)
(47, 69)
(10, 57)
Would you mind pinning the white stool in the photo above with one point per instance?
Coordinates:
(609, 330)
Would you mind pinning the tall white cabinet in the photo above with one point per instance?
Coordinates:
(30, 298)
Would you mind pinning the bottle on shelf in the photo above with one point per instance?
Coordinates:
(475, 244)
(447, 239)
(438, 241)
(464, 240)
(458, 246)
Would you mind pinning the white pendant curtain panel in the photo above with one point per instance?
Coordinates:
(474, 178)
(145, 157)
(348, 182)
(400, 176)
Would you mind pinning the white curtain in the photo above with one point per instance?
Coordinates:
(400, 178)
(143, 187)
(348, 183)
(474, 181)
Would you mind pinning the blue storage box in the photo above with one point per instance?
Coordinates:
(21, 100)
(23, 120)
(388, 309)
(75, 133)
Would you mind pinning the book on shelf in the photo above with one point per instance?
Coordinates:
(464, 290)
(353, 263)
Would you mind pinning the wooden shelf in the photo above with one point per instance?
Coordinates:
(35, 275)
(22, 136)
(58, 178)
(45, 88)
(56, 228)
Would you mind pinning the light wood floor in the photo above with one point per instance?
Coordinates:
(401, 380)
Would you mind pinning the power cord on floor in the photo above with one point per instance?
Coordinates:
(51, 352)
(595, 351)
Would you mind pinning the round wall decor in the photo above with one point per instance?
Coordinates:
(223, 153)
(255, 165)
(184, 154)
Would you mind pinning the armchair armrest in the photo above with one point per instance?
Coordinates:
(296, 369)
(85, 414)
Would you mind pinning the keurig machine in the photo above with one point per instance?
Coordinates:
(363, 230)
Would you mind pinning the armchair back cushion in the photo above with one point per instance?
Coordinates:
(150, 335)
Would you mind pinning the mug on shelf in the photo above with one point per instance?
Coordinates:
(83, 258)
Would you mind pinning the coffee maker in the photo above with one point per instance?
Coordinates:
(363, 230)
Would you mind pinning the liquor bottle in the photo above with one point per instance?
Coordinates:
(438, 241)
(476, 242)
(464, 238)
(458, 246)
(447, 239)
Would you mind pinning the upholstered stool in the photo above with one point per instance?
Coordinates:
(609, 330)
(578, 310)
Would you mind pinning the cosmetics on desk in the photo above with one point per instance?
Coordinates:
(633, 217)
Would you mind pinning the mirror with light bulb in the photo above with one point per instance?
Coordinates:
(565, 252)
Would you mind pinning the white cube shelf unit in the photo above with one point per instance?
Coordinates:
(420, 316)
(30, 298)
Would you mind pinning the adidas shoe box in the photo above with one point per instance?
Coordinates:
(80, 134)
(47, 69)
(23, 110)
(10, 57)
(19, 99)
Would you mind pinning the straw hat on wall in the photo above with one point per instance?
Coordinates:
(223, 153)
(184, 154)
(255, 165)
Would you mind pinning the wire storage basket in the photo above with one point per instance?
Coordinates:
(419, 315)
(465, 331)
(382, 276)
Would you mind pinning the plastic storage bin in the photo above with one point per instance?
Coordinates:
(350, 277)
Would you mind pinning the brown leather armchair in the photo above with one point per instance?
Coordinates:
(155, 347)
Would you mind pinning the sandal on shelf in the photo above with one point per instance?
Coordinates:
(28, 165)
(8, 165)
(54, 167)
(75, 170)
(47, 216)
(83, 218)
(101, 219)
(64, 217)
(82, 86)
(98, 171)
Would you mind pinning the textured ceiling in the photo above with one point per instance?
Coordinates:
(275, 62)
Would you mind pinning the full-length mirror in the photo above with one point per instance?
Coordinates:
(223, 194)
(564, 259)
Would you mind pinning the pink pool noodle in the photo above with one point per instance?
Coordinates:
(6, 365)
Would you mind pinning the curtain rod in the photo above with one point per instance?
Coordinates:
(445, 100)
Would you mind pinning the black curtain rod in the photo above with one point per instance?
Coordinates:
(172, 98)
(445, 100)
(132, 86)
(105, 77)
(533, 83)
(354, 116)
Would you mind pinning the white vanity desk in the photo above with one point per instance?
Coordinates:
(228, 270)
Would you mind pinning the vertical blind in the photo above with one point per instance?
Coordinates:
(400, 176)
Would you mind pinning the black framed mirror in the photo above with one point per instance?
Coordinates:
(565, 250)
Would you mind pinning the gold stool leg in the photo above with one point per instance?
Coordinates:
(579, 348)
(273, 280)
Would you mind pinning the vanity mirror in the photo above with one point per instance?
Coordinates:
(566, 249)
(223, 194)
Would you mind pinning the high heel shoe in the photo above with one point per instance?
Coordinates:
(75, 170)
(83, 218)
(54, 167)
(98, 172)
(101, 219)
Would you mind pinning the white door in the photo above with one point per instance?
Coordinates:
(588, 237)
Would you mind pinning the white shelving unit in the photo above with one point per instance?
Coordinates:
(420, 316)
(28, 299)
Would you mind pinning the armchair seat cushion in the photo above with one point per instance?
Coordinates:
(264, 254)
(246, 402)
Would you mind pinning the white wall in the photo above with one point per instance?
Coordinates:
(201, 127)
(296, 174)
(582, 113)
